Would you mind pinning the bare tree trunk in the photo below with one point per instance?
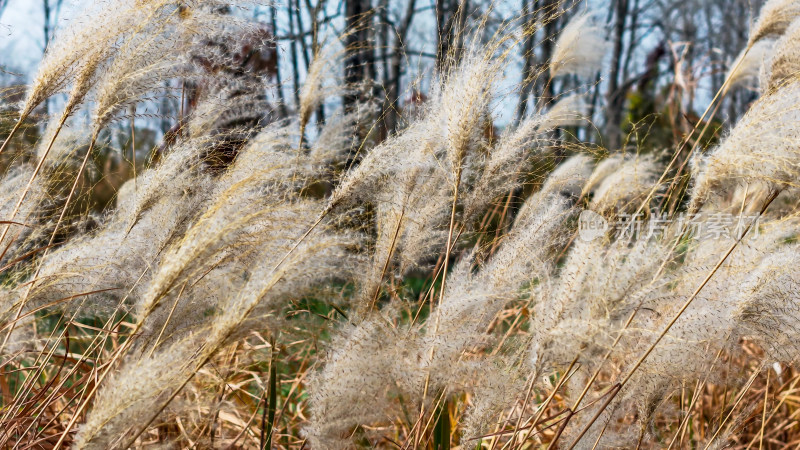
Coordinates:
(528, 58)
(314, 13)
(383, 45)
(357, 60)
(396, 67)
(548, 14)
(445, 31)
(51, 9)
(295, 62)
(282, 113)
(304, 51)
(615, 97)
(632, 40)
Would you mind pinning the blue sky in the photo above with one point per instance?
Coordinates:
(21, 36)
(21, 32)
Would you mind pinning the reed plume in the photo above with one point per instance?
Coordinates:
(773, 19)
(580, 48)
(782, 68)
(758, 149)
(509, 159)
(625, 188)
(747, 66)
(436, 288)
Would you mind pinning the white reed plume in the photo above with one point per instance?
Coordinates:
(589, 299)
(766, 304)
(569, 111)
(24, 215)
(71, 48)
(566, 181)
(398, 154)
(333, 144)
(774, 19)
(75, 54)
(627, 186)
(580, 48)
(505, 164)
(473, 299)
(359, 365)
(118, 259)
(583, 309)
(317, 85)
(253, 209)
(720, 316)
(603, 170)
(135, 392)
(760, 148)
(783, 66)
(454, 121)
(139, 69)
(411, 222)
(424, 228)
(463, 107)
(258, 292)
(745, 69)
(179, 169)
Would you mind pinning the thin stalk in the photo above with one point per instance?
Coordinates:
(735, 405)
(133, 144)
(127, 344)
(764, 415)
(270, 405)
(780, 403)
(13, 132)
(388, 258)
(166, 322)
(612, 393)
(522, 408)
(674, 319)
(448, 249)
(553, 394)
(718, 96)
(444, 279)
(560, 430)
(596, 373)
(697, 393)
(33, 177)
(441, 430)
(16, 209)
(99, 379)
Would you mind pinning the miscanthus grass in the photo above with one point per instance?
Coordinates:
(261, 284)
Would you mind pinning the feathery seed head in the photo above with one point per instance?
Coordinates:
(774, 19)
(580, 48)
(760, 148)
(749, 64)
(783, 65)
(626, 186)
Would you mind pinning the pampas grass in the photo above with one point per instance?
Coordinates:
(782, 67)
(759, 149)
(773, 19)
(259, 283)
(749, 64)
(580, 48)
